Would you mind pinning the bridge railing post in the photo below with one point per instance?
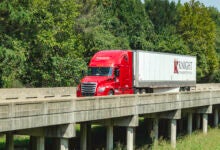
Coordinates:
(205, 123)
(216, 117)
(189, 126)
(83, 136)
(109, 142)
(130, 138)
(173, 133)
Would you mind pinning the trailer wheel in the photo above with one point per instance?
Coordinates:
(143, 91)
(111, 92)
(136, 91)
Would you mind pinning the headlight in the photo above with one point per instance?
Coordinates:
(101, 89)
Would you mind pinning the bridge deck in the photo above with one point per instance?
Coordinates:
(24, 113)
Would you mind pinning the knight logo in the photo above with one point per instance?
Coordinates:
(176, 66)
(182, 67)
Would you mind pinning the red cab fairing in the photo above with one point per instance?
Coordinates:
(102, 81)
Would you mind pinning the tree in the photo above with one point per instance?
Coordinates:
(164, 17)
(38, 44)
(198, 31)
(14, 19)
(215, 15)
(162, 13)
(55, 49)
(114, 25)
(133, 23)
(168, 40)
(92, 26)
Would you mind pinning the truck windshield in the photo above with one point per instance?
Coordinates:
(100, 71)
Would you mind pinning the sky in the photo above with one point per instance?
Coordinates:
(215, 3)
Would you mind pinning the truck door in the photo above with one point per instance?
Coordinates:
(124, 75)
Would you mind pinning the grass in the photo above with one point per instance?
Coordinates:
(197, 141)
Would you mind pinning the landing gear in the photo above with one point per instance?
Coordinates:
(184, 89)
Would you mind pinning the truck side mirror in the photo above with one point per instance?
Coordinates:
(117, 72)
(83, 73)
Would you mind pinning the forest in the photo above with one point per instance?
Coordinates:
(48, 43)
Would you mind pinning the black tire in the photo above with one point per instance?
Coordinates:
(143, 91)
(136, 91)
(111, 92)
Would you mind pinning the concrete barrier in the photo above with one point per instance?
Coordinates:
(49, 112)
(36, 93)
(207, 86)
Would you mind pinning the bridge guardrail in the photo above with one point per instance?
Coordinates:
(36, 93)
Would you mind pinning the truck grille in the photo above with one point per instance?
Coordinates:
(88, 89)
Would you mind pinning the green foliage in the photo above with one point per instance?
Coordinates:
(133, 22)
(115, 25)
(39, 44)
(164, 16)
(162, 13)
(48, 43)
(19, 141)
(65, 71)
(91, 25)
(169, 41)
(198, 31)
(13, 49)
(55, 50)
(196, 141)
(215, 14)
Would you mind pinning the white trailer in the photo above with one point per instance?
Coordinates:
(163, 72)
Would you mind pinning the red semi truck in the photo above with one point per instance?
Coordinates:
(113, 72)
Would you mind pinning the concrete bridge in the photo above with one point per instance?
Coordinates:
(53, 112)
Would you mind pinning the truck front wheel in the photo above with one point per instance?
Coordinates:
(111, 92)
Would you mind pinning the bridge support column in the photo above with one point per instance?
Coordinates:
(40, 143)
(189, 125)
(37, 143)
(172, 116)
(173, 133)
(198, 119)
(83, 136)
(89, 136)
(109, 142)
(130, 138)
(134, 136)
(205, 123)
(205, 111)
(63, 144)
(129, 122)
(59, 133)
(216, 117)
(9, 141)
(155, 130)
